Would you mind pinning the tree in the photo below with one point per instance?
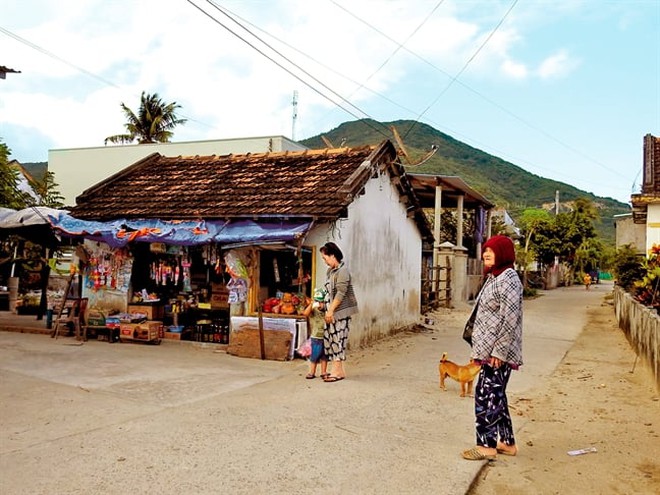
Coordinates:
(628, 267)
(568, 234)
(152, 124)
(48, 192)
(10, 195)
(530, 221)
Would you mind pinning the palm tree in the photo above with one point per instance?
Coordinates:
(152, 124)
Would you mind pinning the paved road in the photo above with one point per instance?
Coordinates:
(132, 418)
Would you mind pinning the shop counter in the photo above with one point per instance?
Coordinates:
(282, 334)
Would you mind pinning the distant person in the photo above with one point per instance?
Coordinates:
(595, 279)
(497, 346)
(341, 306)
(314, 311)
(587, 281)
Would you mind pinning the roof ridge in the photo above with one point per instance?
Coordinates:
(276, 154)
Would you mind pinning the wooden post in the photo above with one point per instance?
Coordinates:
(262, 346)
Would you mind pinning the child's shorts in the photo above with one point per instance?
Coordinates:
(317, 350)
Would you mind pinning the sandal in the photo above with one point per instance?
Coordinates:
(474, 454)
(309, 376)
(324, 375)
(505, 449)
(332, 379)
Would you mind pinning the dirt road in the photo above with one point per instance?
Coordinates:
(172, 419)
(598, 397)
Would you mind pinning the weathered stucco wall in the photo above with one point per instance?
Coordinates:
(642, 327)
(629, 232)
(383, 249)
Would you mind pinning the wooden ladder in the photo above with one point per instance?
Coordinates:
(56, 328)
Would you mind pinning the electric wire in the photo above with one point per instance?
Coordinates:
(481, 95)
(465, 66)
(400, 46)
(362, 85)
(289, 71)
(60, 59)
(80, 69)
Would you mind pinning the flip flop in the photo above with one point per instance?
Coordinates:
(309, 376)
(474, 454)
(332, 379)
(324, 375)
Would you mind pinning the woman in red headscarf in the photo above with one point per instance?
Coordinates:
(497, 345)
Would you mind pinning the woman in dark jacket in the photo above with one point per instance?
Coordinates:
(341, 306)
(497, 345)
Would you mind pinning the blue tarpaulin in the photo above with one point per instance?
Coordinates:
(118, 233)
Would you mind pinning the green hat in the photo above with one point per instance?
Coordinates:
(319, 294)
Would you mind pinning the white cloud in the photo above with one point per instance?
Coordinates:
(515, 70)
(558, 65)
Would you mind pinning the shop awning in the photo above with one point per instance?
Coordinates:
(118, 233)
(33, 224)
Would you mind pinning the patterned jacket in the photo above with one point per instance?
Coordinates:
(498, 322)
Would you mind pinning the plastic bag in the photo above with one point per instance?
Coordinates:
(305, 349)
(235, 265)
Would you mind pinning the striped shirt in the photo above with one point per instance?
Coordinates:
(340, 287)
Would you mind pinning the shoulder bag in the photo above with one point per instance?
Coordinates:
(469, 326)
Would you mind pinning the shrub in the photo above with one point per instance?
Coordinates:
(529, 293)
(629, 267)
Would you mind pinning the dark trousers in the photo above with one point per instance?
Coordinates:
(491, 407)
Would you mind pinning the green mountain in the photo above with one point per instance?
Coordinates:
(505, 184)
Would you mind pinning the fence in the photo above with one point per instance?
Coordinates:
(436, 287)
(642, 328)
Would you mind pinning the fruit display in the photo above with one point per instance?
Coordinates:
(287, 304)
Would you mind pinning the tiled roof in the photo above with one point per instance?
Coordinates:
(311, 183)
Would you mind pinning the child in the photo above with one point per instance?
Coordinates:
(587, 281)
(314, 311)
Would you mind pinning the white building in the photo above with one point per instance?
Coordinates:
(77, 169)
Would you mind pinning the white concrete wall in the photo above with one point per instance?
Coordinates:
(383, 250)
(652, 226)
(81, 168)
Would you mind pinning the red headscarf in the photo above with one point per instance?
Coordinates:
(505, 254)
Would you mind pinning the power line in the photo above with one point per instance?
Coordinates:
(465, 66)
(78, 68)
(289, 71)
(400, 46)
(481, 95)
(59, 59)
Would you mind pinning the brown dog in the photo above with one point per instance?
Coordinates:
(463, 374)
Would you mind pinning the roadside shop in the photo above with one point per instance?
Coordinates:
(201, 284)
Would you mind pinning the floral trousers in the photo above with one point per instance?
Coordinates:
(491, 407)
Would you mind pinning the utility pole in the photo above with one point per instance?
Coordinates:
(557, 202)
(294, 103)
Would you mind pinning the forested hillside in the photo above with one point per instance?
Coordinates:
(500, 181)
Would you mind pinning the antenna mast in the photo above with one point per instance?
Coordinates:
(294, 104)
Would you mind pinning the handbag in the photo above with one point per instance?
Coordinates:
(469, 326)
(467, 331)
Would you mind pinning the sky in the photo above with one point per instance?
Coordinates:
(565, 89)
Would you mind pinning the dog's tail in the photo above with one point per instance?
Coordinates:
(444, 357)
